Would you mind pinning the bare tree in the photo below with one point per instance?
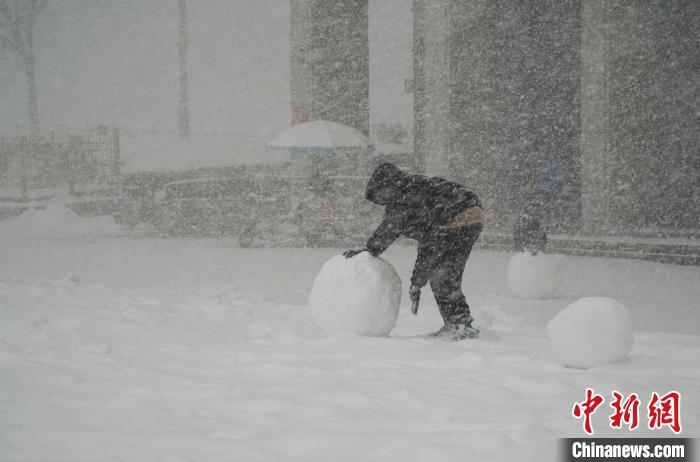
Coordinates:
(17, 19)
(183, 116)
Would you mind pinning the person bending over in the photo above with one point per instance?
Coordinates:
(446, 219)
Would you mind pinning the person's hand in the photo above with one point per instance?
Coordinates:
(414, 293)
(352, 253)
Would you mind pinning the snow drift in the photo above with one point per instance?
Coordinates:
(56, 220)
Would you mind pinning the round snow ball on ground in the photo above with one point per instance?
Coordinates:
(359, 295)
(592, 331)
(532, 276)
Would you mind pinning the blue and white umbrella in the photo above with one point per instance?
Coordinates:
(319, 137)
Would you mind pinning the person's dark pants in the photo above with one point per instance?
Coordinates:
(449, 255)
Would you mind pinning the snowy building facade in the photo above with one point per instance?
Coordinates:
(585, 111)
(585, 108)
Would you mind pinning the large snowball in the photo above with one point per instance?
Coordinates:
(592, 331)
(532, 276)
(359, 295)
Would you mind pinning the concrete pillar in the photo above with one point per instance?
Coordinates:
(431, 85)
(299, 59)
(484, 103)
(329, 61)
(595, 118)
(619, 130)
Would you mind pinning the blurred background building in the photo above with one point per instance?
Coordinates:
(585, 112)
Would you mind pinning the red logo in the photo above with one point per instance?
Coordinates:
(586, 408)
(662, 410)
(626, 411)
(665, 410)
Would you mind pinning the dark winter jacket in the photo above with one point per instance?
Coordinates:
(417, 207)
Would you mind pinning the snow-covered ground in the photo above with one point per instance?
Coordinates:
(124, 348)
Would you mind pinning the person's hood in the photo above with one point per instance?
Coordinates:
(385, 185)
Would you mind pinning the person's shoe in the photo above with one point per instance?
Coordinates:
(448, 330)
(468, 332)
(456, 332)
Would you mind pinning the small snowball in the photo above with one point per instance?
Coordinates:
(532, 276)
(592, 331)
(359, 295)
